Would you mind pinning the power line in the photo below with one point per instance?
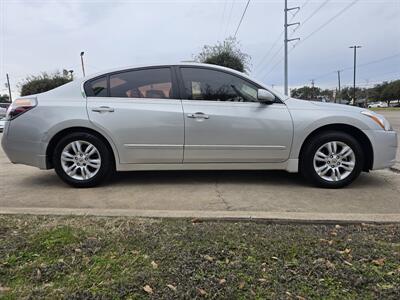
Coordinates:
(341, 70)
(241, 19)
(229, 18)
(223, 19)
(378, 60)
(275, 65)
(270, 50)
(315, 12)
(361, 65)
(305, 3)
(327, 22)
(262, 60)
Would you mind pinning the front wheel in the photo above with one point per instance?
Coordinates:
(332, 159)
(82, 160)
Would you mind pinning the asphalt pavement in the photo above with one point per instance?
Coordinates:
(214, 194)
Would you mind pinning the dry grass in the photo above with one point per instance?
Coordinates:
(130, 258)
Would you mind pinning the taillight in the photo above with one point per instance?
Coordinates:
(19, 106)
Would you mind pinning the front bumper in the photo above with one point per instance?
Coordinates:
(384, 145)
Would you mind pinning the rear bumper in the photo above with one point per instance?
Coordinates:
(23, 151)
(384, 145)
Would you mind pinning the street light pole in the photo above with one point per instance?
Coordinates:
(355, 47)
(83, 67)
(338, 77)
(9, 87)
(312, 89)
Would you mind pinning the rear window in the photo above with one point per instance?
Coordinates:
(153, 83)
(96, 87)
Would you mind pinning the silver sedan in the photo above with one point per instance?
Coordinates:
(191, 117)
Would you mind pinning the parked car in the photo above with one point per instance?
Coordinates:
(2, 123)
(377, 104)
(191, 117)
(3, 112)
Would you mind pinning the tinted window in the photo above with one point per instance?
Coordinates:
(149, 83)
(97, 87)
(205, 84)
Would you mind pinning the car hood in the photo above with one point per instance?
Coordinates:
(315, 105)
(336, 106)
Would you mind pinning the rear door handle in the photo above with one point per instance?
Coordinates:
(198, 115)
(102, 109)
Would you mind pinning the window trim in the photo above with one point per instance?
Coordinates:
(184, 95)
(174, 81)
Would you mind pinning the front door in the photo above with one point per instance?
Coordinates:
(140, 111)
(224, 122)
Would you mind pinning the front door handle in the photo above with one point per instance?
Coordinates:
(102, 109)
(198, 115)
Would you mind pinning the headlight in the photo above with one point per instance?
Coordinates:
(378, 119)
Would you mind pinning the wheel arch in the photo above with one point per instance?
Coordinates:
(355, 132)
(62, 133)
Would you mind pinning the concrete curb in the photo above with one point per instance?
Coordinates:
(272, 217)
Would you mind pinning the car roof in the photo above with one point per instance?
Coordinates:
(194, 64)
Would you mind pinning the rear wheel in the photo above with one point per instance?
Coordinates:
(332, 159)
(82, 160)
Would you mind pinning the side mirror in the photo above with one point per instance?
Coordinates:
(265, 96)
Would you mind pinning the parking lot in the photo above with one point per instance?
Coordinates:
(25, 188)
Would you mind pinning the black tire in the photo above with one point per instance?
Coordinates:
(107, 167)
(307, 158)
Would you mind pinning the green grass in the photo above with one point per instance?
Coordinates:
(115, 258)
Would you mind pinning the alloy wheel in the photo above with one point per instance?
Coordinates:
(334, 161)
(80, 160)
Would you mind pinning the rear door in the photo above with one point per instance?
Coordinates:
(225, 123)
(139, 109)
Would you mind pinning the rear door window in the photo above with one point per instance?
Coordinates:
(96, 87)
(155, 83)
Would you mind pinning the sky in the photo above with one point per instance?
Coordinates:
(46, 36)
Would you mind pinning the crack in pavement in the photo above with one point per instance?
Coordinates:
(219, 195)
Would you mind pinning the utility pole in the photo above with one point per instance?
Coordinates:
(9, 87)
(83, 67)
(338, 77)
(286, 41)
(355, 47)
(336, 95)
(312, 89)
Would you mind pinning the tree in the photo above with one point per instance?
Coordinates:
(311, 93)
(347, 93)
(4, 98)
(385, 91)
(43, 83)
(391, 92)
(226, 54)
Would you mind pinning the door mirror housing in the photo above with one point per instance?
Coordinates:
(265, 96)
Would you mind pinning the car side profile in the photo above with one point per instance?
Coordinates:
(191, 117)
(379, 104)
